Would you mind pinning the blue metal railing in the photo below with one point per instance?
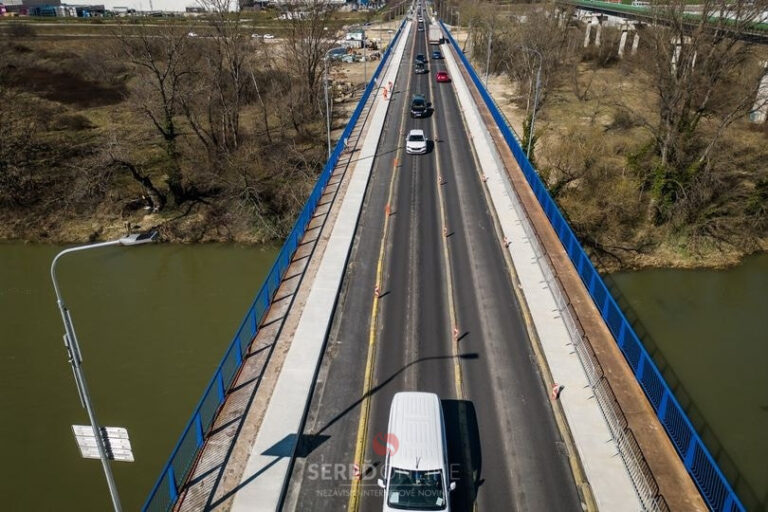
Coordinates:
(712, 484)
(165, 492)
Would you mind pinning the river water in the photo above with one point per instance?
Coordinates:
(153, 323)
(712, 328)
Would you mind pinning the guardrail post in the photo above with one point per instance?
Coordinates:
(640, 368)
(220, 386)
(662, 410)
(688, 460)
(173, 491)
(199, 429)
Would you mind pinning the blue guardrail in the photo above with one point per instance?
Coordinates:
(165, 492)
(714, 487)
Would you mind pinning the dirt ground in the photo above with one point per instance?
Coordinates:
(612, 122)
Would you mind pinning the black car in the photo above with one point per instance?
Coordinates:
(421, 59)
(419, 106)
(420, 68)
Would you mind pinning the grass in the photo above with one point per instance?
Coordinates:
(608, 200)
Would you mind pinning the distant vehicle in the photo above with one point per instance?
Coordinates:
(416, 142)
(419, 68)
(192, 34)
(421, 27)
(416, 473)
(337, 53)
(419, 106)
(255, 36)
(435, 35)
(436, 55)
(268, 36)
(420, 58)
(442, 76)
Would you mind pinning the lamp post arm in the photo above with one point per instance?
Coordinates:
(71, 250)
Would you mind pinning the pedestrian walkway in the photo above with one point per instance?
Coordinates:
(262, 482)
(609, 479)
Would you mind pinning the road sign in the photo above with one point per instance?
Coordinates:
(116, 443)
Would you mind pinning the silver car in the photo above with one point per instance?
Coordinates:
(416, 142)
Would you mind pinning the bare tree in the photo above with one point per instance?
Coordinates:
(307, 43)
(226, 80)
(705, 73)
(164, 63)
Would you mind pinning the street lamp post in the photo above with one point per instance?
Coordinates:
(365, 59)
(488, 56)
(75, 356)
(327, 106)
(535, 99)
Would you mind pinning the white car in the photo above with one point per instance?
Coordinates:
(192, 34)
(416, 142)
(268, 36)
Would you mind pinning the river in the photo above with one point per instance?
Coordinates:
(153, 323)
(711, 326)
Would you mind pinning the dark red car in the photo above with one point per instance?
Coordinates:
(442, 76)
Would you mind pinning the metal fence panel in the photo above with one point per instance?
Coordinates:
(715, 489)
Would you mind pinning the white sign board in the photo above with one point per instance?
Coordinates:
(117, 444)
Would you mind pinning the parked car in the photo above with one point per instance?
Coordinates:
(416, 142)
(419, 106)
(437, 55)
(442, 76)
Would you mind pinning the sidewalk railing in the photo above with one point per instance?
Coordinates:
(714, 487)
(165, 492)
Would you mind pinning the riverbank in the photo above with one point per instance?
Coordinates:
(584, 150)
(84, 158)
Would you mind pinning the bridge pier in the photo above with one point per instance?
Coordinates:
(760, 107)
(678, 44)
(627, 27)
(596, 19)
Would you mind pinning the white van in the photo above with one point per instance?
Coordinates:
(416, 469)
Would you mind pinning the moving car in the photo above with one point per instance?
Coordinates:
(419, 106)
(416, 142)
(416, 476)
(268, 36)
(421, 58)
(419, 68)
(437, 55)
(442, 76)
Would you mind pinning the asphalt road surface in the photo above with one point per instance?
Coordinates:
(504, 447)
